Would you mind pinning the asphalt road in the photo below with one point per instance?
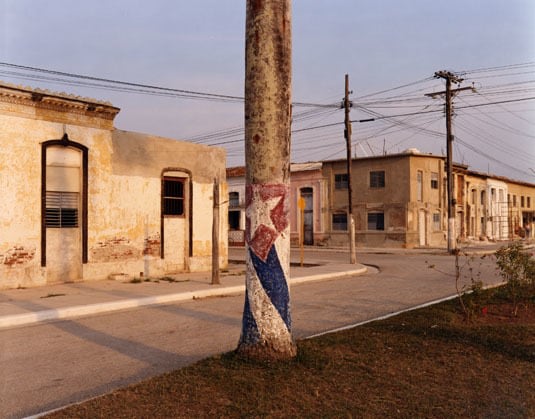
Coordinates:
(50, 365)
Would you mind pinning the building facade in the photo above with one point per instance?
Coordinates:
(82, 200)
(398, 200)
(307, 183)
(401, 200)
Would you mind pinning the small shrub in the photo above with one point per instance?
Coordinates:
(517, 268)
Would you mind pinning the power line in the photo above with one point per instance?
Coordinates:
(124, 86)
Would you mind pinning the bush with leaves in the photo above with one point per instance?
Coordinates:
(517, 268)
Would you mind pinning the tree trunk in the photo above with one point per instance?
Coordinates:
(266, 330)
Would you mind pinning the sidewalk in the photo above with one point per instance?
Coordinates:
(19, 307)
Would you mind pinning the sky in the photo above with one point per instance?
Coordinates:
(390, 49)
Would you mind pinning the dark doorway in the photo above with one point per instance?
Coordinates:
(308, 196)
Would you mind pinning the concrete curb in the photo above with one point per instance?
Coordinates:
(100, 308)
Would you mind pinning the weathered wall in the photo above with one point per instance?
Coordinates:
(404, 225)
(124, 195)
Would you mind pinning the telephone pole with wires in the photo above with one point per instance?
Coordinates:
(449, 93)
(347, 133)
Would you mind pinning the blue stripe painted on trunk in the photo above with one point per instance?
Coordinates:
(273, 281)
(249, 332)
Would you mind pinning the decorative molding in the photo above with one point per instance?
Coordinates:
(58, 102)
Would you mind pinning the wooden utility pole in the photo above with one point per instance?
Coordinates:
(215, 235)
(347, 134)
(450, 78)
(266, 327)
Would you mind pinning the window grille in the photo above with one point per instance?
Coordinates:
(376, 221)
(341, 181)
(339, 222)
(234, 199)
(377, 179)
(434, 180)
(61, 209)
(436, 221)
(173, 196)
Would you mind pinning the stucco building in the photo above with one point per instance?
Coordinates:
(401, 200)
(398, 200)
(306, 182)
(81, 200)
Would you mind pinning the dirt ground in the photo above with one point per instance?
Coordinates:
(427, 363)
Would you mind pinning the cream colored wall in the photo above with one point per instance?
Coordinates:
(20, 187)
(124, 195)
(476, 211)
(518, 214)
(421, 212)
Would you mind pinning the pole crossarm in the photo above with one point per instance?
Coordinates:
(449, 93)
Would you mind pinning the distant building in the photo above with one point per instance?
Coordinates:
(80, 200)
(307, 182)
(398, 200)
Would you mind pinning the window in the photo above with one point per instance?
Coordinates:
(522, 201)
(419, 181)
(377, 179)
(483, 198)
(340, 222)
(63, 185)
(528, 203)
(341, 181)
(234, 220)
(61, 209)
(434, 180)
(474, 196)
(234, 199)
(514, 200)
(173, 196)
(436, 221)
(376, 221)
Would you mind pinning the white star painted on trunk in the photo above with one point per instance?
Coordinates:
(259, 212)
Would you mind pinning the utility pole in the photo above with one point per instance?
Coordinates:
(266, 326)
(215, 235)
(450, 78)
(347, 134)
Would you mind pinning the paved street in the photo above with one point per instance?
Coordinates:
(48, 365)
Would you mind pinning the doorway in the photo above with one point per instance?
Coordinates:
(421, 228)
(63, 210)
(308, 195)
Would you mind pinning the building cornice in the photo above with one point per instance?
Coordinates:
(56, 102)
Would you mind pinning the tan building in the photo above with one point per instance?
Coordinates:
(398, 200)
(401, 200)
(81, 200)
(521, 208)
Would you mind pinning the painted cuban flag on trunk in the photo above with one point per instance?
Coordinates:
(266, 319)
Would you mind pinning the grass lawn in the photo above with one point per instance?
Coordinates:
(427, 363)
